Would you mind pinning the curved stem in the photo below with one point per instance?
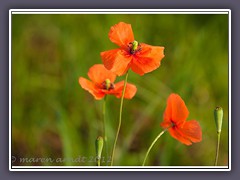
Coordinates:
(120, 118)
(149, 149)
(105, 126)
(217, 149)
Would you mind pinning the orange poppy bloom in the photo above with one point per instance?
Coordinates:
(141, 58)
(174, 119)
(102, 83)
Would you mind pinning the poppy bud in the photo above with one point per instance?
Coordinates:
(218, 115)
(99, 146)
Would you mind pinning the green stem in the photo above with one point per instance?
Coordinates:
(149, 149)
(105, 126)
(217, 149)
(98, 162)
(120, 118)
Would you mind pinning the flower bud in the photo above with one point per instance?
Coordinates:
(99, 146)
(218, 115)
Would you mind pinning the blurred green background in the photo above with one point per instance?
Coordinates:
(53, 117)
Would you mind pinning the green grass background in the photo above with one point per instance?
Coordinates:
(53, 117)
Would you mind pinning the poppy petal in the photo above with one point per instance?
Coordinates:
(148, 59)
(192, 131)
(155, 52)
(176, 109)
(116, 60)
(121, 34)
(142, 65)
(129, 92)
(167, 116)
(166, 124)
(90, 87)
(98, 74)
(176, 135)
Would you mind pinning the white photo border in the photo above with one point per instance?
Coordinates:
(120, 11)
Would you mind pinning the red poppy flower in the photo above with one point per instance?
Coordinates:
(174, 119)
(102, 83)
(141, 58)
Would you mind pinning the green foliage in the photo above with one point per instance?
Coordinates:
(53, 117)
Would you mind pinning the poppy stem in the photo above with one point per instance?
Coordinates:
(120, 118)
(217, 149)
(149, 149)
(105, 126)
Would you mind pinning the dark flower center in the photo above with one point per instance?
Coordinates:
(107, 85)
(173, 124)
(134, 47)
